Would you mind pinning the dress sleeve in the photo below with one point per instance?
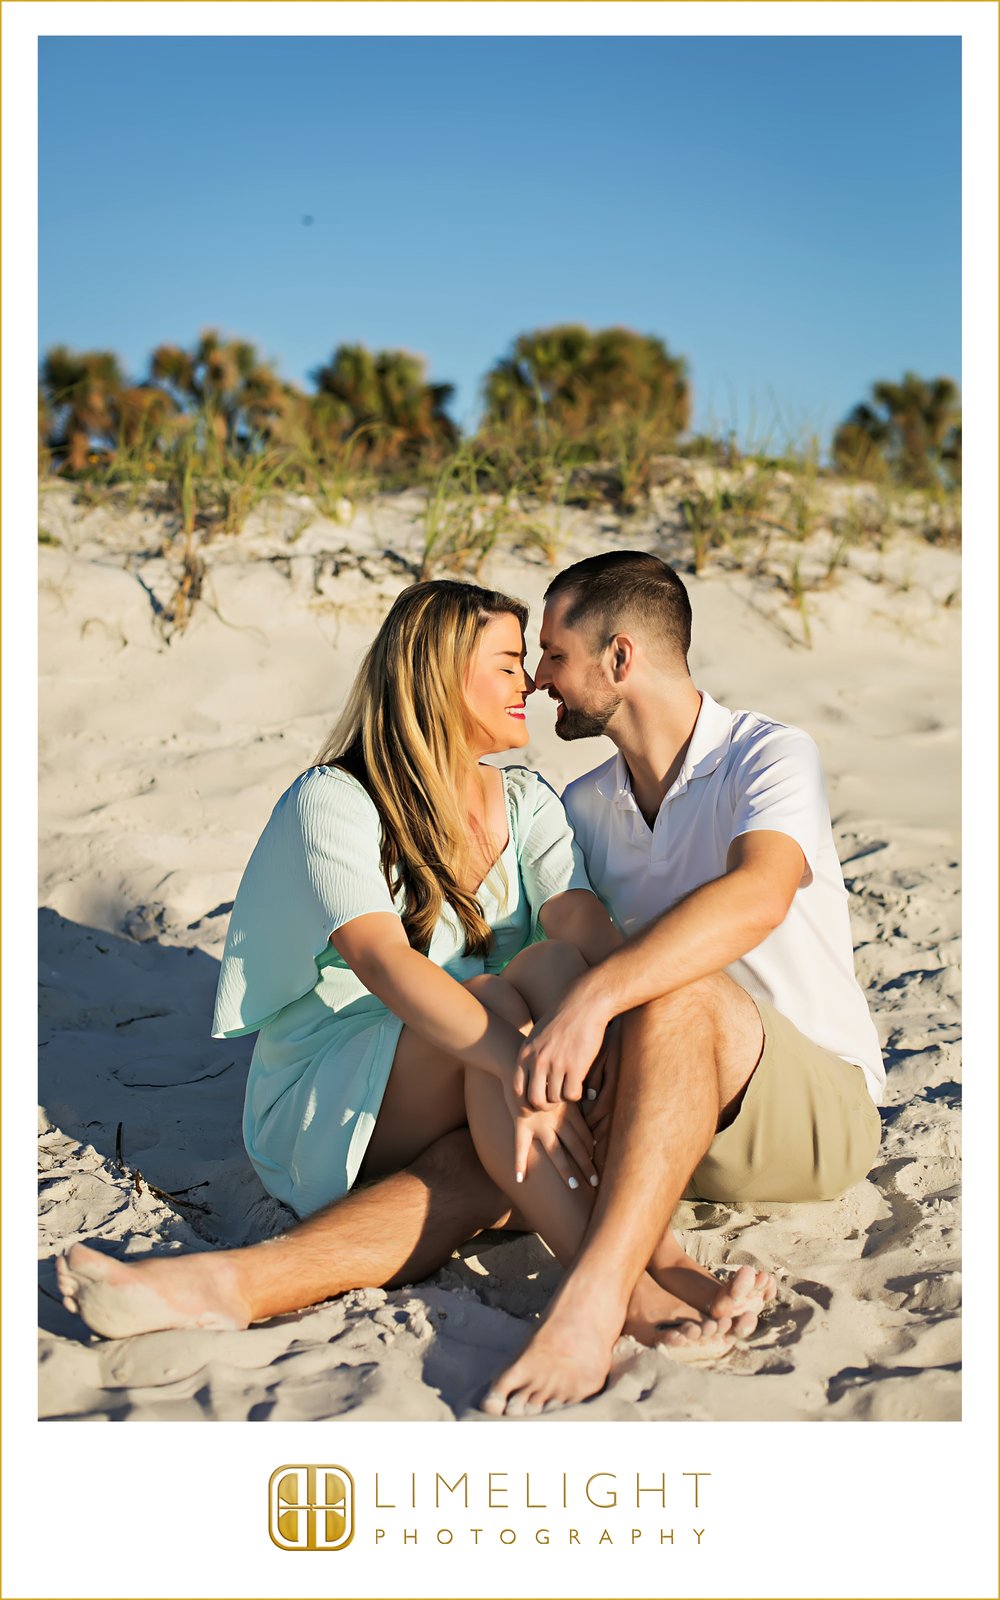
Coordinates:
(548, 856)
(778, 785)
(315, 867)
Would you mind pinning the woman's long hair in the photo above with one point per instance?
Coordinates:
(406, 734)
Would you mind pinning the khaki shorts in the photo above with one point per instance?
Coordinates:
(807, 1128)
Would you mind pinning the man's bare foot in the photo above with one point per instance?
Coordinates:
(658, 1318)
(741, 1298)
(566, 1361)
(120, 1298)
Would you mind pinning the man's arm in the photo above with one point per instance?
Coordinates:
(579, 918)
(712, 927)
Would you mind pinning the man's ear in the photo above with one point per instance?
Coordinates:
(622, 656)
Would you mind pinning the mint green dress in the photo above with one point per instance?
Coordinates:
(325, 1044)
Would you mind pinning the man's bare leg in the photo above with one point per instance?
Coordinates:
(683, 1058)
(541, 983)
(394, 1231)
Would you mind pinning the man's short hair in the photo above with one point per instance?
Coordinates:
(610, 592)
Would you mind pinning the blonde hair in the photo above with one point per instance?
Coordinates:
(406, 734)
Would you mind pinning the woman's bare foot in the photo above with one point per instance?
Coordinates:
(658, 1318)
(120, 1298)
(741, 1298)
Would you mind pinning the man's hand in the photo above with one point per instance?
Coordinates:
(559, 1052)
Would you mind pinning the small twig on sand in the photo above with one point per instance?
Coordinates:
(138, 1182)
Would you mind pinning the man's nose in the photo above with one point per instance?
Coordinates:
(529, 682)
(543, 676)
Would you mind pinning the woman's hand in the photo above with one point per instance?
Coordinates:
(562, 1132)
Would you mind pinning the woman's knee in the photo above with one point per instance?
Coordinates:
(500, 997)
(555, 956)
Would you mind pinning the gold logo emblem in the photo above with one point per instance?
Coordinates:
(311, 1508)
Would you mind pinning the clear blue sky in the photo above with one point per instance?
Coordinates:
(783, 212)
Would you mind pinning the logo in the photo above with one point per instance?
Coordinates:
(311, 1508)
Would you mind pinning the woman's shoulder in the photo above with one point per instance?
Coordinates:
(327, 794)
(529, 792)
(520, 782)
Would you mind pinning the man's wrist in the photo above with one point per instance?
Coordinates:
(598, 996)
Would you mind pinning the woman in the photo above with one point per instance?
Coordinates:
(391, 877)
(386, 943)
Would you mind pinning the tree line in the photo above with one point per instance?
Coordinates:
(591, 395)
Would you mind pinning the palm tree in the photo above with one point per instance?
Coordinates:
(911, 436)
(225, 379)
(859, 444)
(143, 413)
(82, 391)
(587, 382)
(382, 400)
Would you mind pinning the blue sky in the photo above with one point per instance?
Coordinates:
(783, 212)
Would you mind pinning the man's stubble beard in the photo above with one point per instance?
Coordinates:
(577, 724)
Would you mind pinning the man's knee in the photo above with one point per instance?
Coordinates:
(704, 997)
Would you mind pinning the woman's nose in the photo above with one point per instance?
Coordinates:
(529, 682)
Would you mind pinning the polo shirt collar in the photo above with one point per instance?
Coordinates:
(710, 740)
(615, 784)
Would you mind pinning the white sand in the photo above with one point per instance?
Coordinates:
(160, 763)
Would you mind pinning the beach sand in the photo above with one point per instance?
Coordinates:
(161, 757)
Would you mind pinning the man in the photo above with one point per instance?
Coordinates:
(749, 1068)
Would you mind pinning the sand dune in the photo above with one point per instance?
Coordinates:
(162, 755)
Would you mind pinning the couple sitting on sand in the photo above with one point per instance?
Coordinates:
(477, 1006)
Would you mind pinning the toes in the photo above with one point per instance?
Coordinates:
(684, 1333)
(493, 1403)
(515, 1405)
(744, 1324)
(744, 1284)
(70, 1304)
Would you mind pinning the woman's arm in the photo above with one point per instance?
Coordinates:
(428, 999)
(448, 1016)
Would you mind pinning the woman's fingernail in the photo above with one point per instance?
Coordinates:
(593, 1180)
(519, 1177)
(572, 1183)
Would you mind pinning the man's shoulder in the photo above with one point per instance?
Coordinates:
(754, 731)
(582, 797)
(764, 751)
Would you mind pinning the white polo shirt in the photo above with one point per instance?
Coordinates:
(742, 771)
